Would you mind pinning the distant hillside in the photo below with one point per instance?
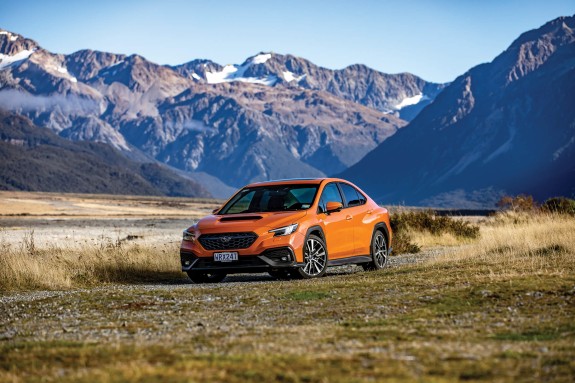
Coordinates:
(273, 116)
(36, 159)
(505, 127)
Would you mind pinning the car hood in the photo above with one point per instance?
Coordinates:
(249, 222)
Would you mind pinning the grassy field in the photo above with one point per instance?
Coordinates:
(496, 308)
(98, 206)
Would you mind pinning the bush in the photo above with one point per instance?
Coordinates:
(519, 203)
(559, 205)
(403, 223)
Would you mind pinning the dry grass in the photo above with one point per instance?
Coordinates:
(28, 267)
(498, 308)
(414, 229)
(516, 244)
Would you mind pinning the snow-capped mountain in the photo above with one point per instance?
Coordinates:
(505, 127)
(402, 94)
(274, 116)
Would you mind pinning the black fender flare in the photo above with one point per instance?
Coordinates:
(383, 227)
(322, 236)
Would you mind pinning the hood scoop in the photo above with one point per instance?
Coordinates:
(241, 218)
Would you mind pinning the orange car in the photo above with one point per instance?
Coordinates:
(288, 228)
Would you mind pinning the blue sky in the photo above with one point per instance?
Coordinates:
(435, 39)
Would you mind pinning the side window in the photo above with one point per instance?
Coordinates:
(330, 194)
(352, 196)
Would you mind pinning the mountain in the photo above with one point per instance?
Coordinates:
(402, 94)
(36, 159)
(505, 127)
(274, 116)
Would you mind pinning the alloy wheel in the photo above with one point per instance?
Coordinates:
(380, 250)
(315, 258)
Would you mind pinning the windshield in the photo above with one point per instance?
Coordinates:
(271, 198)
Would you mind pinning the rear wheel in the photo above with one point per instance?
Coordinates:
(314, 258)
(199, 277)
(379, 252)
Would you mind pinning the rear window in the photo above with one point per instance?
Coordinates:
(352, 196)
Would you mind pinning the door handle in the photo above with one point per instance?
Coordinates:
(369, 211)
(348, 217)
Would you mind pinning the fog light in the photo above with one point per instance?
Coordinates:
(284, 259)
(187, 263)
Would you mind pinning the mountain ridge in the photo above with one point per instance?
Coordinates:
(490, 131)
(172, 114)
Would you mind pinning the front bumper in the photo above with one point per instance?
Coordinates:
(271, 259)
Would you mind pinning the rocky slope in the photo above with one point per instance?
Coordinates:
(274, 116)
(402, 94)
(36, 159)
(505, 127)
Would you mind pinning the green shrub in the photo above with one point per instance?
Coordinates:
(559, 205)
(403, 243)
(403, 223)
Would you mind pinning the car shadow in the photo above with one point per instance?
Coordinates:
(332, 272)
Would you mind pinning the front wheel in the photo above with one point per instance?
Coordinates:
(198, 277)
(379, 252)
(314, 258)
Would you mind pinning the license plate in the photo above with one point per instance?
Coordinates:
(226, 257)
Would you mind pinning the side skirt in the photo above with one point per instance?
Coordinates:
(349, 260)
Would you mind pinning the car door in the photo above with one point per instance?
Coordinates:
(357, 212)
(337, 229)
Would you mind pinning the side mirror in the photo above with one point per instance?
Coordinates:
(332, 206)
(215, 210)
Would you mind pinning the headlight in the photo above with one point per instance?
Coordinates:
(189, 236)
(286, 230)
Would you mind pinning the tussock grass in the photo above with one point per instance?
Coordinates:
(28, 267)
(516, 244)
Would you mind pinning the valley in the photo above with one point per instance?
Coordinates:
(99, 296)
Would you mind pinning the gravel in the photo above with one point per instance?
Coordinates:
(230, 281)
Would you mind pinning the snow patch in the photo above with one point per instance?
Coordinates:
(225, 75)
(236, 73)
(195, 75)
(260, 59)
(65, 72)
(11, 36)
(411, 101)
(6, 60)
(289, 76)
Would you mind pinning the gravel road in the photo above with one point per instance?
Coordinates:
(231, 280)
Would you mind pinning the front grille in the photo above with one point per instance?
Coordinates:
(227, 241)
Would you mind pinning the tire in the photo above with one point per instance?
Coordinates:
(199, 277)
(281, 274)
(314, 258)
(379, 252)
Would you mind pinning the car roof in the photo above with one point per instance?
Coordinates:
(294, 181)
